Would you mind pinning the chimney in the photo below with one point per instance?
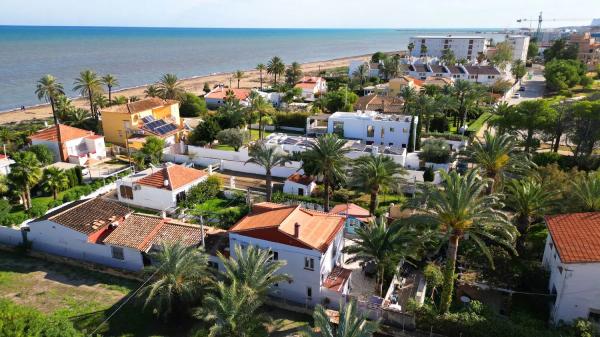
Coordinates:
(166, 182)
(296, 230)
(163, 214)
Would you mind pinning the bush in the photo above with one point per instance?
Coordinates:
(42, 153)
(204, 191)
(77, 192)
(233, 137)
(55, 203)
(342, 195)
(192, 106)
(435, 151)
(293, 119)
(12, 219)
(439, 124)
(205, 132)
(229, 216)
(18, 320)
(546, 158)
(428, 175)
(37, 210)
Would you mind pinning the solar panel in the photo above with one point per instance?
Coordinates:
(155, 124)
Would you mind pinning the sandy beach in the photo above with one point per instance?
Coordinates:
(194, 85)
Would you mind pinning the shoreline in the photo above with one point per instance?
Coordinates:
(193, 84)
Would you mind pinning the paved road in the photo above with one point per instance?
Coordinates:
(535, 86)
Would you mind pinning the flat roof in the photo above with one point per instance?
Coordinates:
(449, 36)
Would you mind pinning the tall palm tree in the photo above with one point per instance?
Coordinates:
(382, 244)
(152, 91)
(169, 87)
(268, 157)
(326, 159)
(261, 67)
(178, 278)
(239, 75)
(496, 155)
(110, 81)
(362, 73)
(460, 209)
(408, 94)
(254, 268)
(275, 67)
(88, 85)
(25, 173)
(351, 323)
(586, 192)
(233, 311)
(461, 90)
(411, 47)
(49, 89)
(530, 201)
(99, 102)
(55, 180)
(372, 173)
(293, 73)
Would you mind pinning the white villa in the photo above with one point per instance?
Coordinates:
(372, 127)
(310, 242)
(159, 188)
(572, 256)
(299, 184)
(312, 87)
(216, 97)
(77, 145)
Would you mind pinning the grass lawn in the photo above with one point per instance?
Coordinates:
(478, 123)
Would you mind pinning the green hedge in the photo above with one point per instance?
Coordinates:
(292, 119)
(16, 320)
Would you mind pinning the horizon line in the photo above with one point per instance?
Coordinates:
(307, 28)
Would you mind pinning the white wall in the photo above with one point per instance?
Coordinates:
(292, 187)
(53, 238)
(459, 45)
(154, 198)
(10, 236)
(577, 286)
(355, 127)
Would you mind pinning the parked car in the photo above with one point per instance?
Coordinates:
(523, 88)
(516, 95)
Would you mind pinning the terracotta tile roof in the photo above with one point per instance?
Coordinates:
(352, 210)
(176, 175)
(576, 236)
(276, 223)
(310, 79)
(439, 81)
(301, 179)
(134, 231)
(221, 93)
(337, 279)
(87, 216)
(141, 105)
(66, 132)
(306, 85)
(386, 104)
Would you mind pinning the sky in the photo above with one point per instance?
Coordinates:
(297, 13)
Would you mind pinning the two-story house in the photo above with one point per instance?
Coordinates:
(312, 87)
(310, 242)
(572, 256)
(76, 145)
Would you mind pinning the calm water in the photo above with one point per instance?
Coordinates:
(141, 55)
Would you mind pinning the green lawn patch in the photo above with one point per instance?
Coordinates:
(479, 122)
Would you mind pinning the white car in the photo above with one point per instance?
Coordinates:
(516, 95)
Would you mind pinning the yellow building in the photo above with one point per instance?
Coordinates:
(137, 120)
(396, 84)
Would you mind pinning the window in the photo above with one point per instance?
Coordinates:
(392, 129)
(117, 253)
(370, 131)
(404, 130)
(275, 256)
(126, 192)
(309, 292)
(382, 133)
(560, 269)
(309, 263)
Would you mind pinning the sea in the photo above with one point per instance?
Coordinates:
(138, 56)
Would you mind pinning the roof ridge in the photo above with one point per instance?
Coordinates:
(151, 235)
(66, 209)
(166, 168)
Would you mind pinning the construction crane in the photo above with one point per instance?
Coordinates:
(538, 32)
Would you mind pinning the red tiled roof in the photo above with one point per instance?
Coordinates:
(176, 175)
(336, 280)
(301, 179)
(576, 236)
(221, 93)
(276, 223)
(66, 132)
(141, 105)
(352, 210)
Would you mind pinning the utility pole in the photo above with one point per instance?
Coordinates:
(539, 28)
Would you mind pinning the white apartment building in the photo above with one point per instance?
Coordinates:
(310, 242)
(464, 47)
(372, 127)
(572, 256)
(520, 44)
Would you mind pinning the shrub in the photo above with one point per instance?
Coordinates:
(77, 192)
(192, 106)
(229, 216)
(435, 151)
(546, 158)
(55, 203)
(11, 219)
(233, 137)
(428, 175)
(16, 320)
(37, 210)
(42, 153)
(439, 124)
(342, 195)
(4, 207)
(205, 132)
(204, 191)
(294, 119)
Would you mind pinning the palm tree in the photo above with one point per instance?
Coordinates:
(362, 72)
(382, 244)
(461, 89)
(239, 75)
(460, 209)
(372, 173)
(152, 91)
(408, 94)
(50, 89)
(26, 172)
(411, 47)
(4, 184)
(77, 116)
(99, 102)
(88, 84)
(233, 311)
(586, 192)
(177, 278)
(275, 67)
(55, 180)
(326, 159)
(351, 323)
(119, 100)
(268, 157)
(110, 82)
(254, 268)
(293, 74)
(169, 87)
(529, 200)
(496, 156)
(261, 67)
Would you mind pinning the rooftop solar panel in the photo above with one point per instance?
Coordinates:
(148, 119)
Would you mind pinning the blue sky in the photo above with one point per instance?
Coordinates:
(294, 13)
